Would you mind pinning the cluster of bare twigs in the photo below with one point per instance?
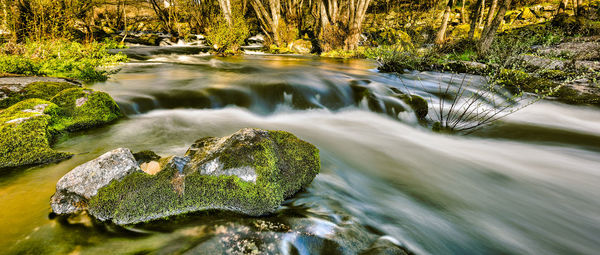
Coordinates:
(465, 107)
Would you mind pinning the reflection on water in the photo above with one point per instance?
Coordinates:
(526, 186)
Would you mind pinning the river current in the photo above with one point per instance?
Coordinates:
(528, 184)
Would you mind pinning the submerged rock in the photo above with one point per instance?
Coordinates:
(250, 172)
(82, 183)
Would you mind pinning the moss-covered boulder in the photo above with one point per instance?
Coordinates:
(28, 127)
(250, 172)
(24, 135)
(12, 94)
(85, 108)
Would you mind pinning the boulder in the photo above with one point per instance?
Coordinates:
(24, 136)
(11, 94)
(86, 108)
(74, 190)
(250, 172)
(28, 127)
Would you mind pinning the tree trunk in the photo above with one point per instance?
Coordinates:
(463, 18)
(474, 18)
(576, 7)
(490, 33)
(490, 15)
(226, 10)
(269, 19)
(441, 35)
(481, 12)
(562, 7)
(357, 10)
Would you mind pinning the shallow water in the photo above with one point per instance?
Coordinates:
(527, 185)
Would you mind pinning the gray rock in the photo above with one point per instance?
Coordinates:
(83, 182)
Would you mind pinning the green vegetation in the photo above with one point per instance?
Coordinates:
(41, 90)
(60, 58)
(225, 38)
(29, 127)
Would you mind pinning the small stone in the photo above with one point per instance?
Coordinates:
(81, 101)
(151, 167)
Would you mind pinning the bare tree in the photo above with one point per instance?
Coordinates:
(269, 15)
(164, 14)
(441, 35)
(489, 33)
(341, 22)
(293, 11)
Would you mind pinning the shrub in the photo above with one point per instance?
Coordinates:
(86, 62)
(225, 38)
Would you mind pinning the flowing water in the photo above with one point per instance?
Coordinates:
(527, 185)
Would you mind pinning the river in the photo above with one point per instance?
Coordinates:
(526, 185)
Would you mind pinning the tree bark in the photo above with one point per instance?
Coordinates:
(226, 10)
(482, 11)
(441, 35)
(492, 11)
(474, 18)
(463, 18)
(357, 10)
(269, 17)
(341, 23)
(490, 33)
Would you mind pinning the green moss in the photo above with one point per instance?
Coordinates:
(84, 108)
(283, 164)
(557, 75)
(418, 104)
(517, 80)
(24, 136)
(46, 90)
(145, 156)
(41, 90)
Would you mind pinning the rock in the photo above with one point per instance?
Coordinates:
(24, 134)
(86, 108)
(74, 189)
(301, 46)
(580, 50)
(13, 93)
(152, 167)
(250, 172)
(543, 63)
(145, 156)
(28, 127)
(386, 245)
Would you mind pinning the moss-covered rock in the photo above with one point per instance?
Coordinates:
(43, 90)
(250, 172)
(84, 108)
(418, 104)
(24, 136)
(28, 127)
(517, 80)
